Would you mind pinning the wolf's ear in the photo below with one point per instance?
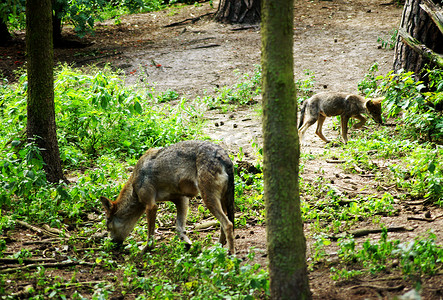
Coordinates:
(107, 204)
(375, 101)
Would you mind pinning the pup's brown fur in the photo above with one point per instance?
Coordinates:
(175, 174)
(322, 105)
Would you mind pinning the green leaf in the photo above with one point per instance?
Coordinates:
(431, 167)
(138, 107)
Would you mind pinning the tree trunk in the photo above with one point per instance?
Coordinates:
(284, 227)
(41, 115)
(57, 21)
(56, 29)
(420, 26)
(5, 36)
(238, 11)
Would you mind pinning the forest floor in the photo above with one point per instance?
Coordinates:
(335, 40)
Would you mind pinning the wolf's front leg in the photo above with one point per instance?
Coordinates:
(180, 223)
(151, 215)
(361, 123)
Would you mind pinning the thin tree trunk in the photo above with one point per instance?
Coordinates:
(41, 115)
(5, 36)
(284, 227)
(57, 9)
(238, 11)
(420, 26)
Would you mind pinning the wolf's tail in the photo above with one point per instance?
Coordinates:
(302, 113)
(230, 192)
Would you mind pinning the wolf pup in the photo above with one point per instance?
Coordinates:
(175, 173)
(322, 105)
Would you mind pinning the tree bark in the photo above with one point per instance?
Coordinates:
(284, 227)
(419, 25)
(238, 11)
(41, 126)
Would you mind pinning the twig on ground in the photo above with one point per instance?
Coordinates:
(366, 231)
(424, 219)
(207, 224)
(185, 21)
(335, 161)
(378, 288)
(46, 265)
(36, 229)
(46, 241)
(206, 46)
(6, 260)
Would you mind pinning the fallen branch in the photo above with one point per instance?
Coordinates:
(206, 46)
(25, 260)
(205, 225)
(191, 20)
(256, 27)
(420, 48)
(424, 218)
(366, 231)
(36, 229)
(390, 278)
(55, 230)
(367, 175)
(46, 265)
(378, 288)
(335, 161)
(84, 283)
(435, 12)
(79, 62)
(418, 202)
(46, 241)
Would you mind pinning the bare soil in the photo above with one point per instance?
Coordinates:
(336, 40)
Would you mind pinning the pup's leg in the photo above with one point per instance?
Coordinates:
(344, 128)
(318, 131)
(362, 121)
(301, 132)
(180, 223)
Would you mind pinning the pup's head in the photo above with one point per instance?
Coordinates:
(374, 108)
(119, 227)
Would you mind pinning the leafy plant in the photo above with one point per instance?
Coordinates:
(419, 103)
(416, 258)
(305, 86)
(242, 93)
(167, 96)
(388, 42)
(368, 84)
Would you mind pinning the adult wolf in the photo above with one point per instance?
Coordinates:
(322, 105)
(175, 173)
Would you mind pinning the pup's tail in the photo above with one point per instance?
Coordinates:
(302, 113)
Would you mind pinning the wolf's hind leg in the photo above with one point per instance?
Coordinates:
(213, 203)
(180, 223)
(318, 131)
(301, 132)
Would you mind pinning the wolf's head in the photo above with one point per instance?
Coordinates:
(374, 108)
(121, 218)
